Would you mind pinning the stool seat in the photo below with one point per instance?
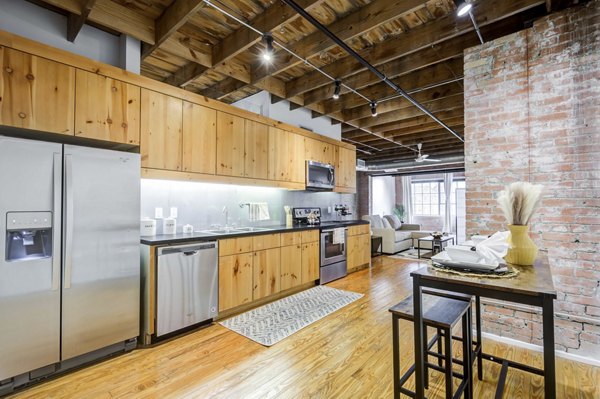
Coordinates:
(437, 311)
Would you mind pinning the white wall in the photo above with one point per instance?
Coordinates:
(260, 103)
(36, 23)
(384, 195)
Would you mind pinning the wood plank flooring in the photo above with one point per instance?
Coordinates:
(346, 355)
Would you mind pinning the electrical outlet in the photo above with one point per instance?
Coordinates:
(158, 213)
(328, 209)
(173, 213)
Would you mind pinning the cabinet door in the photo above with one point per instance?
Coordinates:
(230, 144)
(36, 93)
(266, 273)
(297, 158)
(359, 250)
(310, 262)
(199, 138)
(106, 109)
(266, 241)
(345, 173)
(279, 165)
(161, 134)
(320, 151)
(235, 280)
(256, 150)
(291, 266)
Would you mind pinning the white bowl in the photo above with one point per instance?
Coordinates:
(461, 253)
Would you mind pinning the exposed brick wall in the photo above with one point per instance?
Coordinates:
(532, 112)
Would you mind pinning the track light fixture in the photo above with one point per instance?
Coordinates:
(373, 108)
(268, 51)
(336, 91)
(462, 7)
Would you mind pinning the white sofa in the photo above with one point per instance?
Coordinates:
(396, 240)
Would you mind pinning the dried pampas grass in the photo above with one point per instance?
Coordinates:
(519, 201)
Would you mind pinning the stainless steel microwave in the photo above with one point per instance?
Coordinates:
(319, 176)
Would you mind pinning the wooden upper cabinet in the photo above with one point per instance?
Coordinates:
(36, 93)
(279, 155)
(256, 150)
(106, 109)
(230, 144)
(161, 127)
(199, 139)
(320, 151)
(298, 159)
(346, 168)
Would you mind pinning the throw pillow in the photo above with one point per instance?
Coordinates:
(386, 224)
(393, 221)
(376, 222)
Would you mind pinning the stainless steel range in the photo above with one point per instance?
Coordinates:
(333, 243)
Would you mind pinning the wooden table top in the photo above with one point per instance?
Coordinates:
(531, 280)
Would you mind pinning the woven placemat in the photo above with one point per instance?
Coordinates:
(510, 273)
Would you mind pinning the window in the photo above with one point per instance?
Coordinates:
(429, 199)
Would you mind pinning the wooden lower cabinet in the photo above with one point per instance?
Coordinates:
(235, 280)
(266, 279)
(310, 261)
(291, 266)
(359, 250)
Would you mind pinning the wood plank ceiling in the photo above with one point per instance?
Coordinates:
(418, 44)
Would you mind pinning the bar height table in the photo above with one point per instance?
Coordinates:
(532, 286)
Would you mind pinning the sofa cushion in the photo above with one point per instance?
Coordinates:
(376, 222)
(394, 222)
(403, 235)
(386, 224)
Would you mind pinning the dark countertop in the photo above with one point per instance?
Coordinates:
(181, 238)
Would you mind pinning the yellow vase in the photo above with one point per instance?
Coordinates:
(521, 248)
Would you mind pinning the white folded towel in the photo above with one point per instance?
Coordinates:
(339, 236)
(258, 211)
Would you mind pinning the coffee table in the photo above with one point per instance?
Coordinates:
(434, 242)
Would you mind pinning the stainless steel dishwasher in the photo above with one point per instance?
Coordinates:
(187, 286)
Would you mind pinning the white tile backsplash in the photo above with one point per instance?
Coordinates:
(201, 204)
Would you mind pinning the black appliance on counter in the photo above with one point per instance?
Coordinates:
(332, 243)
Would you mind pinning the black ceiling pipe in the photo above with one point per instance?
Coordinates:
(366, 64)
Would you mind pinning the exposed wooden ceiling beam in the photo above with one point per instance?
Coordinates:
(243, 38)
(406, 154)
(428, 34)
(75, 22)
(352, 25)
(403, 124)
(426, 128)
(395, 110)
(402, 109)
(221, 89)
(172, 18)
(183, 76)
(422, 79)
(114, 16)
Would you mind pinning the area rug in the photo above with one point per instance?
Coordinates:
(412, 254)
(275, 321)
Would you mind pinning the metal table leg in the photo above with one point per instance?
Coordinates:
(549, 361)
(396, 354)
(418, 336)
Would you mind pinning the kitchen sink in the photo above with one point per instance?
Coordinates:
(234, 230)
(249, 229)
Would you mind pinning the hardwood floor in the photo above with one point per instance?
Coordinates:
(346, 355)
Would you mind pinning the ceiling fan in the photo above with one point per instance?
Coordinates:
(424, 157)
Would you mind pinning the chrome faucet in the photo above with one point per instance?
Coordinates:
(225, 212)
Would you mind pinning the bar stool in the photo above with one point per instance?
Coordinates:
(443, 314)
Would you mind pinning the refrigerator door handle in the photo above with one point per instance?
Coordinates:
(56, 211)
(68, 254)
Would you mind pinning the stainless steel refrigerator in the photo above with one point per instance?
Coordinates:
(69, 264)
